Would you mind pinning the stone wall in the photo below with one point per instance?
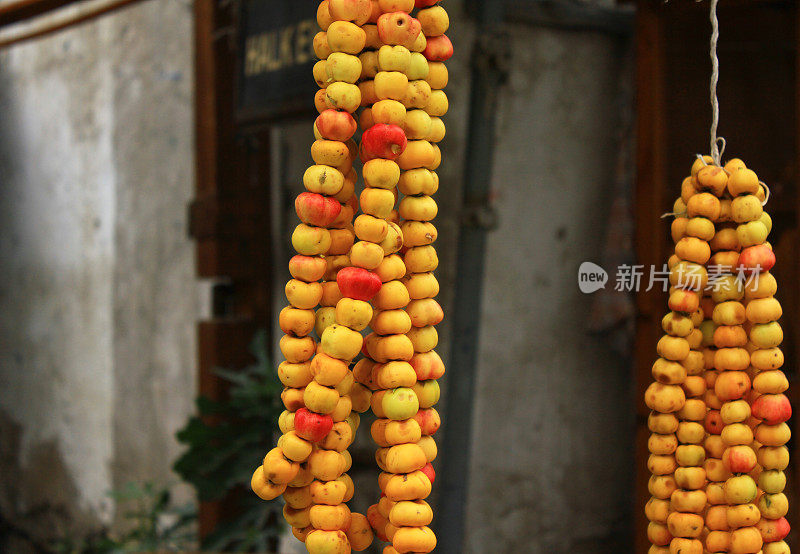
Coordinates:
(98, 298)
(553, 414)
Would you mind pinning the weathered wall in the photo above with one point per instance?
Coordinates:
(97, 292)
(553, 422)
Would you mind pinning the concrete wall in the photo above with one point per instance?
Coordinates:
(97, 292)
(552, 448)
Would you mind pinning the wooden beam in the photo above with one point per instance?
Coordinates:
(794, 334)
(61, 24)
(650, 249)
(205, 115)
(229, 219)
(221, 344)
(14, 12)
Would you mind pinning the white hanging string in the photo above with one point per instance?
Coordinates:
(717, 143)
(766, 192)
(715, 149)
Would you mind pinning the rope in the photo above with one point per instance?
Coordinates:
(717, 143)
(715, 150)
(766, 192)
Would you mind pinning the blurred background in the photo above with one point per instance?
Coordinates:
(146, 200)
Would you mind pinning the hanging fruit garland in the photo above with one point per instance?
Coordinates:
(308, 466)
(371, 56)
(769, 407)
(688, 273)
(732, 383)
(745, 430)
(674, 466)
(385, 367)
(723, 246)
(425, 102)
(726, 496)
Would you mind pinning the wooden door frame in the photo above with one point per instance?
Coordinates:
(228, 219)
(651, 184)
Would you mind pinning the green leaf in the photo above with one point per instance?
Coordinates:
(221, 456)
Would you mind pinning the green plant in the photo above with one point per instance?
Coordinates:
(151, 524)
(225, 440)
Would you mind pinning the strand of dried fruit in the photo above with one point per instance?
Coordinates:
(324, 429)
(339, 67)
(732, 385)
(717, 535)
(681, 363)
(663, 440)
(770, 408)
(381, 173)
(318, 426)
(409, 516)
(387, 348)
(688, 502)
(336, 529)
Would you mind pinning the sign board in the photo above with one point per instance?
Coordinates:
(275, 58)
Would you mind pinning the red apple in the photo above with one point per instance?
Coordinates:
(312, 426)
(713, 422)
(358, 283)
(429, 421)
(383, 141)
(398, 28)
(315, 209)
(438, 49)
(425, 3)
(307, 268)
(427, 365)
(756, 259)
(739, 459)
(773, 530)
(772, 408)
(336, 125)
(429, 472)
